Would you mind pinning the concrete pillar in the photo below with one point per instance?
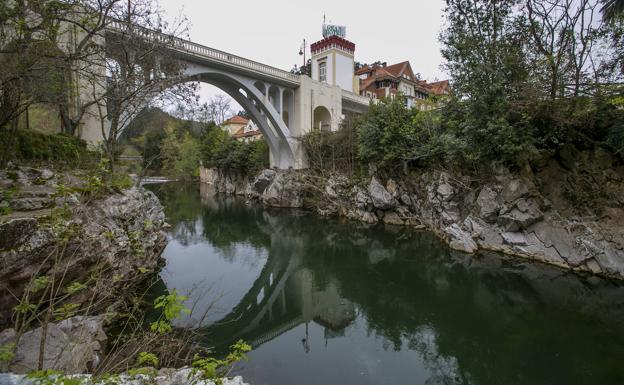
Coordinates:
(267, 89)
(280, 103)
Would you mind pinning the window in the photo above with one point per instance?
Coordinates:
(323, 72)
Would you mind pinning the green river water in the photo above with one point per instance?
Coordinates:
(325, 301)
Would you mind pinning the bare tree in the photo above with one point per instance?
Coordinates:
(565, 34)
(140, 70)
(219, 108)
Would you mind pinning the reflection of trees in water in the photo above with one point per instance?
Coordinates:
(244, 254)
(442, 369)
(231, 223)
(486, 316)
(225, 222)
(181, 203)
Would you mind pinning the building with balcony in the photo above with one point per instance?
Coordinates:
(380, 80)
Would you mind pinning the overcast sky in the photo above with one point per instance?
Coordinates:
(272, 31)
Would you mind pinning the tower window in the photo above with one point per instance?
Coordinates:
(323, 72)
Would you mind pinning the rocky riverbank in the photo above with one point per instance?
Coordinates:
(163, 377)
(566, 211)
(70, 253)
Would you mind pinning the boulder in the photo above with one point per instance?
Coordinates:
(362, 200)
(460, 240)
(392, 187)
(263, 180)
(514, 190)
(488, 205)
(15, 232)
(392, 218)
(445, 190)
(380, 197)
(120, 232)
(284, 191)
(522, 215)
(406, 200)
(514, 238)
(363, 216)
(46, 174)
(337, 187)
(72, 346)
(450, 212)
(30, 204)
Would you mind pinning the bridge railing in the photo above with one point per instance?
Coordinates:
(186, 46)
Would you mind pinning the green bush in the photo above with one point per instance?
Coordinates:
(219, 150)
(331, 151)
(180, 153)
(34, 146)
(461, 134)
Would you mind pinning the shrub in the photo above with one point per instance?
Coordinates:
(34, 146)
(180, 153)
(334, 151)
(219, 150)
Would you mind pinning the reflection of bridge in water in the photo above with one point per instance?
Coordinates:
(283, 296)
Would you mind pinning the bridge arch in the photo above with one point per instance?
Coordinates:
(264, 103)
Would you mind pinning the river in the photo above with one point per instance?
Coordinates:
(326, 301)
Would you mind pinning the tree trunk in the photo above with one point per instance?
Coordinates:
(68, 124)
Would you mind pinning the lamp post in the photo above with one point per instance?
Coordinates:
(302, 51)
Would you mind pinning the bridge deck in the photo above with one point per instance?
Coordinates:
(225, 59)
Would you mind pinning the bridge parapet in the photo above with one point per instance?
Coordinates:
(188, 47)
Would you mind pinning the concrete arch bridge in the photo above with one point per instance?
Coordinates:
(285, 106)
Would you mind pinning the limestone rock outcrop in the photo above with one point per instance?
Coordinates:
(529, 212)
(165, 376)
(119, 233)
(71, 346)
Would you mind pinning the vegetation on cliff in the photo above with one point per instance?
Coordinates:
(527, 78)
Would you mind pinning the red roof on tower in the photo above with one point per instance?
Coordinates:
(332, 41)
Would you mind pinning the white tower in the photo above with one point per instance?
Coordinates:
(333, 62)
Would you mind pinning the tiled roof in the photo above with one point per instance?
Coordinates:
(241, 134)
(236, 119)
(365, 83)
(398, 69)
(439, 88)
(363, 70)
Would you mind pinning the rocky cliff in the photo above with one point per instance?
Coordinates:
(564, 212)
(57, 232)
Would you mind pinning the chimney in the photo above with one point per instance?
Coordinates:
(384, 64)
